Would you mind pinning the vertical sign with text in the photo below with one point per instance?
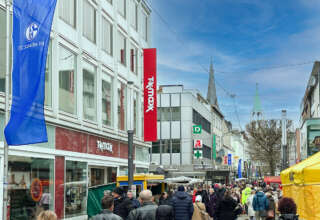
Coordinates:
(150, 94)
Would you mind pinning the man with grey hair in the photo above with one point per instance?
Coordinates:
(147, 211)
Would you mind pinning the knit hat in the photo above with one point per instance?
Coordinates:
(198, 198)
(118, 190)
(181, 188)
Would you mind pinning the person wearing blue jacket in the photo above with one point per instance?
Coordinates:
(182, 205)
(260, 205)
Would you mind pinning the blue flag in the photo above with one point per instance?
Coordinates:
(32, 21)
(239, 169)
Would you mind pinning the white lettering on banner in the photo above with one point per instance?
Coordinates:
(150, 94)
(104, 146)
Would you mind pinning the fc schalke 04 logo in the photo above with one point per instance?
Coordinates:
(32, 31)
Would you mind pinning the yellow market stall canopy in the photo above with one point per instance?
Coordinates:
(302, 183)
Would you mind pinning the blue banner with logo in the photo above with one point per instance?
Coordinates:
(229, 159)
(32, 21)
(239, 169)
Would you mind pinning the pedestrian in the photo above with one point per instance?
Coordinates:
(260, 205)
(107, 204)
(203, 193)
(251, 212)
(182, 205)
(148, 209)
(194, 194)
(245, 194)
(199, 210)
(227, 209)
(271, 207)
(164, 199)
(47, 215)
(217, 198)
(210, 203)
(165, 212)
(288, 209)
(122, 204)
(134, 201)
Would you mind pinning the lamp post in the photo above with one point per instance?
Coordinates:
(5, 150)
(284, 139)
(130, 135)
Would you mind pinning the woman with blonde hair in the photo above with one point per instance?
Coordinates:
(47, 215)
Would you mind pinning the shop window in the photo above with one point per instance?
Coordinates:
(67, 11)
(97, 176)
(123, 47)
(144, 26)
(134, 14)
(134, 59)
(122, 7)
(3, 49)
(89, 92)
(142, 154)
(156, 147)
(111, 174)
(75, 189)
(67, 81)
(175, 111)
(176, 145)
(121, 106)
(30, 187)
(89, 23)
(107, 36)
(106, 100)
(48, 78)
(206, 152)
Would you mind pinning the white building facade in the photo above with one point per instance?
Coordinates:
(96, 48)
(179, 110)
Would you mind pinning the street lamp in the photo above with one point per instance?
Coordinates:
(130, 135)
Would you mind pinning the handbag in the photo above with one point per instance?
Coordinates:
(270, 214)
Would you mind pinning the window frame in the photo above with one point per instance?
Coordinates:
(75, 14)
(94, 23)
(108, 22)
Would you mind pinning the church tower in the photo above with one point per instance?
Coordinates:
(257, 109)
(212, 93)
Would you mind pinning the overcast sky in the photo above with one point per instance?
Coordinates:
(245, 38)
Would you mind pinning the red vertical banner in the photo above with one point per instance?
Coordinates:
(150, 94)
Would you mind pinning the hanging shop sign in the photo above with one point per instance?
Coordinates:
(150, 94)
(197, 144)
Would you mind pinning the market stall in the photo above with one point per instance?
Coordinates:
(302, 183)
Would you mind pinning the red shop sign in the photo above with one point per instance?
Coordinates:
(150, 94)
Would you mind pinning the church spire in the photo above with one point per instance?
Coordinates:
(257, 109)
(212, 94)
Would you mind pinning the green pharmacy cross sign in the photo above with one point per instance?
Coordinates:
(197, 129)
(197, 154)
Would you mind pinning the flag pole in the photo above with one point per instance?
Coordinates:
(5, 151)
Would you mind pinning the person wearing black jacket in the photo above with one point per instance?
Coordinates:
(203, 194)
(182, 205)
(227, 208)
(148, 209)
(122, 204)
(165, 212)
(164, 199)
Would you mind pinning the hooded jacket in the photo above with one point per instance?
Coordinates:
(182, 206)
(260, 202)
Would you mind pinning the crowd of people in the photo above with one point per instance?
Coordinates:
(217, 202)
